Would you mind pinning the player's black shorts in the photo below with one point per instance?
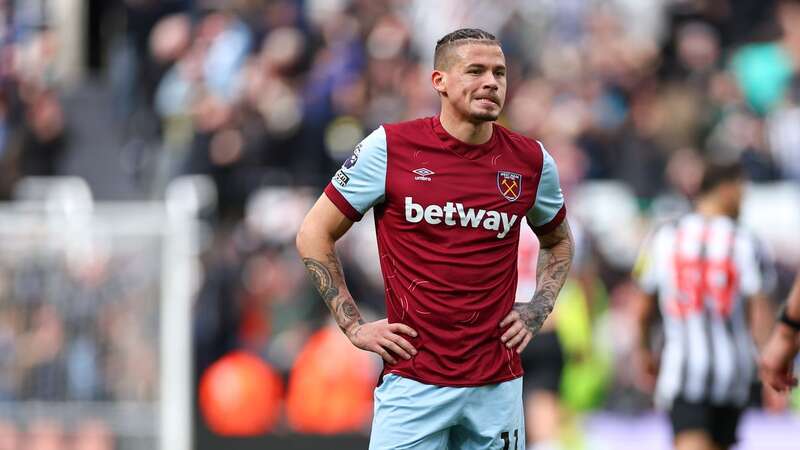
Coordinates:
(720, 422)
(543, 363)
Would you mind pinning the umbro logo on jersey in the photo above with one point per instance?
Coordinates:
(453, 214)
(423, 174)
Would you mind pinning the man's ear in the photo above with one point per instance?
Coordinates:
(439, 81)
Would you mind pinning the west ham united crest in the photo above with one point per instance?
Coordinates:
(510, 184)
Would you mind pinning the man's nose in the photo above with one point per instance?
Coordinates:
(490, 81)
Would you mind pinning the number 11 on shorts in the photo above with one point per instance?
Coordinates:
(507, 441)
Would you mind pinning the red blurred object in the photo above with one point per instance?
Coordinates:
(240, 395)
(330, 386)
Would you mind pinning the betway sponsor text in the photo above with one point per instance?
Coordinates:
(452, 214)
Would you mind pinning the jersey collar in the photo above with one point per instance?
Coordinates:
(463, 149)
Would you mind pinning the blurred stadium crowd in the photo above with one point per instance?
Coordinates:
(267, 97)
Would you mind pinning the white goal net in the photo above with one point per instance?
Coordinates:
(95, 323)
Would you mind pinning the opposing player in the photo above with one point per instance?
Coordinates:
(449, 194)
(704, 270)
(778, 355)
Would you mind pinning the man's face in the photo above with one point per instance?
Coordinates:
(789, 17)
(474, 82)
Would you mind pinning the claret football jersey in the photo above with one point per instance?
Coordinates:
(447, 217)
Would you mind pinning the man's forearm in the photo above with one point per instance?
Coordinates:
(327, 276)
(555, 258)
(793, 302)
(791, 311)
(642, 341)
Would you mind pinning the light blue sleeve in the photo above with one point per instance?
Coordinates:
(362, 179)
(549, 198)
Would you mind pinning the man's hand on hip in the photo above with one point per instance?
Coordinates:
(518, 335)
(383, 338)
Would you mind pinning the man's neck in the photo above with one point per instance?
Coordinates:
(708, 207)
(464, 130)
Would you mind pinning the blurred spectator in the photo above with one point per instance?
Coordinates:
(42, 145)
(45, 434)
(93, 434)
(9, 436)
(764, 70)
(43, 360)
(784, 134)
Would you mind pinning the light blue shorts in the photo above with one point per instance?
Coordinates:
(413, 415)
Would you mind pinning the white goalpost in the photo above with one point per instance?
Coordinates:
(95, 323)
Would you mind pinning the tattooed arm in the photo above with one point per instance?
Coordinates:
(326, 275)
(316, 243)
(555, 258)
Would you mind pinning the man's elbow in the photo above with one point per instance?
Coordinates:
(312, 236)
(570, 243)
(303, 237)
